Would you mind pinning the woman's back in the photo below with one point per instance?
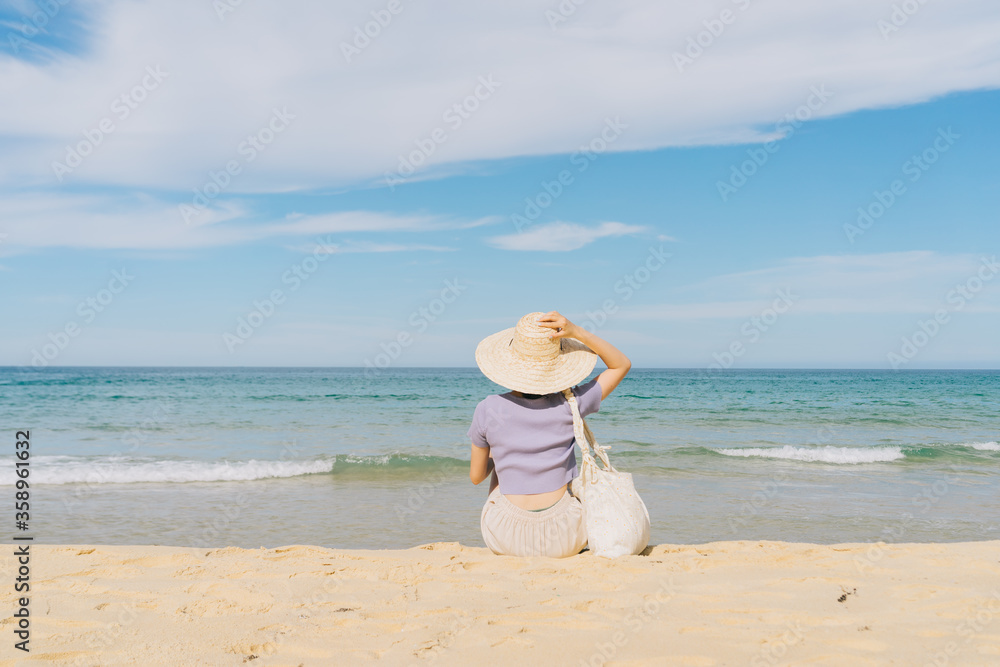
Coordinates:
(531, 439)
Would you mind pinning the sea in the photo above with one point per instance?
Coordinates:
(349, 458)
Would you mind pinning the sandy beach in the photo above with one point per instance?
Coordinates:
(723, 603)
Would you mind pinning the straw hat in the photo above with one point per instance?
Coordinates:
(524, 358)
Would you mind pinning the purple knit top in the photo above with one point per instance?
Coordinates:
(531, 440)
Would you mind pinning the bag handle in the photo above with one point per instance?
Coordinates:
(585, 437)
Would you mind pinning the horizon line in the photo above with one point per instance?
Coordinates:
(640, 368)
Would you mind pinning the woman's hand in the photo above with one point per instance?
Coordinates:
(562, 328)
(618, 364)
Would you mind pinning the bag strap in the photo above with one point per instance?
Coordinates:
(585, 437)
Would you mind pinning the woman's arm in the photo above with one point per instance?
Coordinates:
(618, 364)
(482, 464)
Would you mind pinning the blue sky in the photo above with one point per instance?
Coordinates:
(321, 248)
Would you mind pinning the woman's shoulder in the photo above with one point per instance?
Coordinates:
(583, 388)
(588, 397)
(490, 402)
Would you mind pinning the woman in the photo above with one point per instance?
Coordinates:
(525, 437)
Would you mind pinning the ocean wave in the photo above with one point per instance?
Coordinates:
(63, 469)
(828, 454)
(380, 465)
(983, 446)
(125, 470)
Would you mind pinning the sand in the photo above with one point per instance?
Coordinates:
(724, 603)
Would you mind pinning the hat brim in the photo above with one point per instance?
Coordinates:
(497, 360)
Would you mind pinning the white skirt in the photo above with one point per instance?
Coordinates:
(556, 532)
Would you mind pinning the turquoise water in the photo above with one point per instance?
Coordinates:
(270, 457)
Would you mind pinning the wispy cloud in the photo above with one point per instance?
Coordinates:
(39, 220)
(358, 247)
(368, 221)
(860, 273)
(351, 127)
(913, 282)
(561, 236)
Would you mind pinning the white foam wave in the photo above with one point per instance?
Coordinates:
(125, 470)
(828, 454)
(984, 446)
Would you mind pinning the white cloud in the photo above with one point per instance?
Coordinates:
(354, 120)
(856, 272)
(141, 222)
(914, 282)
(366, 221)
(358, 246)
(561, 236)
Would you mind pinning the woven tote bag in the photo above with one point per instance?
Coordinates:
(617, 519)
